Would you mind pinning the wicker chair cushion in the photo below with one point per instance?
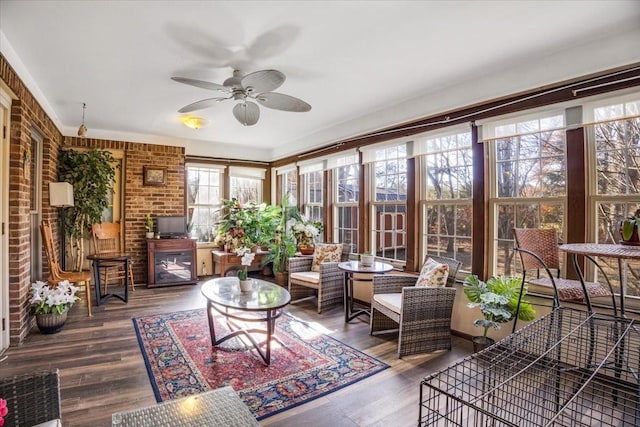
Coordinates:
(433, 274)
(326, 252)
(311, 277)
(391, 301)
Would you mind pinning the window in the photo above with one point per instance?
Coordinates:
(346, 183)
(204, 199)
(528, 182)
(388, 208)
(311, 175)
(246, 184)
(289, 185)
(614, 147)
(446, 196)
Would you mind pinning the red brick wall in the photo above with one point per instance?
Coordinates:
(26, 115)
(139, 199)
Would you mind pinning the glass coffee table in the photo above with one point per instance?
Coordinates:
(262, 304)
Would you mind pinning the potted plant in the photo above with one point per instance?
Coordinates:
(305, 232)
(51, 304)
(282, 245)
(92, 175)
(629, 230)
(148, 225)
(498, 302)
(247, 260)
(367, 259)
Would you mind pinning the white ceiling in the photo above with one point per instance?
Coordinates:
(362, 65)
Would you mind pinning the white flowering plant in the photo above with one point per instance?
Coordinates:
(52, 300)
(306, 231)
(247, 260)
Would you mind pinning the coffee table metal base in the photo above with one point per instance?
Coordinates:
(234, 319)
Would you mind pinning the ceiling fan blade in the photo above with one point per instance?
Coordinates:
(247, 113)
(262, 81)
(279, 101)
(201, 83)
(205, 103)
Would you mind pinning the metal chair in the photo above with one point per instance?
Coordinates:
(107, 239)
(538, 250)
(56, 274)
(421, 315)
(31, 398)
(327, 284)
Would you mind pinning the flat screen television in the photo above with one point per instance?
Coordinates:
(172, 226)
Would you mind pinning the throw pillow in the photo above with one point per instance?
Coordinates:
(433, 274)
(326, 252)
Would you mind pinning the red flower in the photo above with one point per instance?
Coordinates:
(3, 411)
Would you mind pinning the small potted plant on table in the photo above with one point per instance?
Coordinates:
(629, 230)
(148, 225)
(247, 260)
(498, 302)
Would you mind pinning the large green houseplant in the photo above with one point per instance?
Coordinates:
(497, 299)
(92, 174)
(283, 244)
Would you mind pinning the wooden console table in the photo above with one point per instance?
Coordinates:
(229, 261)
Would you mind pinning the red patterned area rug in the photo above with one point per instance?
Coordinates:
(305, 364)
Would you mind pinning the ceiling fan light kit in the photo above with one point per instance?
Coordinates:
(258, 86)
(194, 122)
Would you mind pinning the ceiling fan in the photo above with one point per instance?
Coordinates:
(243, 88)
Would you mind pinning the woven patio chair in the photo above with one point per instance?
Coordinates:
(31, 398)
(538, 250)
(421, 315)
(327, 285)
(56, 274)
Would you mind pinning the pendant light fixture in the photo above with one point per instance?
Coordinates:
(82, 130)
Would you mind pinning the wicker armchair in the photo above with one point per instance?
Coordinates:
(421, 315)
(327, 285)
(31, 398)
(538, 249)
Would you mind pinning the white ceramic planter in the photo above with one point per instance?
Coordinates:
(367, 260)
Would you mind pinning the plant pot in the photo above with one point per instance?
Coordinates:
(51, 323)
(480, 343)
(282, 278)
(306, 250)
(267, 271)
(149, 235)
(367, 260)
(246, 285)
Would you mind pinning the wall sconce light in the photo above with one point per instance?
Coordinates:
(194, 122)
(82, 130)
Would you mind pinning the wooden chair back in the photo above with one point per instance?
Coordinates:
(107, 237)
(56, 273)
(50, 251)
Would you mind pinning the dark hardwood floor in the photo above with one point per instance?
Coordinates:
(102, 370)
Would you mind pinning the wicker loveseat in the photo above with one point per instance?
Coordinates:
(32, 399)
